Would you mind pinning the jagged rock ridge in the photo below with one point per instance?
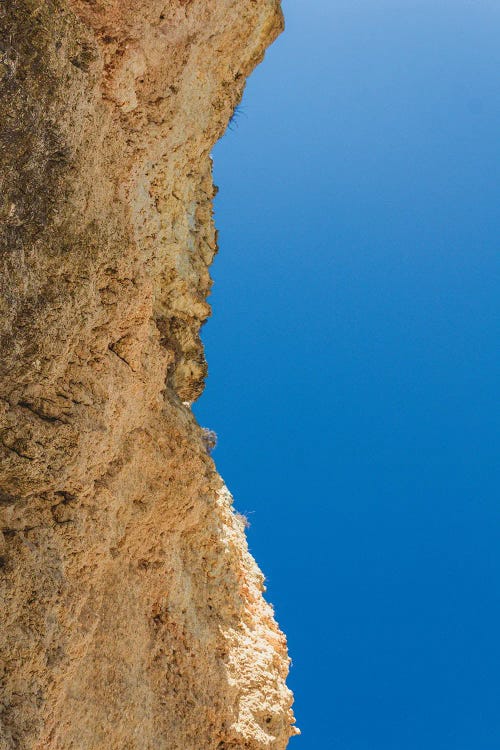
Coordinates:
(132, 613)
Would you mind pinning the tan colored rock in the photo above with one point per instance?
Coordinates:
(132, 614)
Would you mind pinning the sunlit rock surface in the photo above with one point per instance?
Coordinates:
(132, 615)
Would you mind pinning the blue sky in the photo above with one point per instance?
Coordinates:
(354, 364)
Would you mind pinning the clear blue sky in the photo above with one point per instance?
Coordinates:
(354, 363)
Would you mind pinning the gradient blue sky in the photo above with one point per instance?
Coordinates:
(354, 363)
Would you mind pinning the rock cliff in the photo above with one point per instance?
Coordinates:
(132, 614)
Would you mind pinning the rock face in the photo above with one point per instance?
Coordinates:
(132, 614)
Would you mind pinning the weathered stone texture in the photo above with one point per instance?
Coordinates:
(132, 615)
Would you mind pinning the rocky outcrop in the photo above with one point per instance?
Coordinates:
(132, 614)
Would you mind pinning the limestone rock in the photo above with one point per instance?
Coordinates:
(132, 614)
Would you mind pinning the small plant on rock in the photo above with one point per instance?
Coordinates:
(209, 439)
(242, 518)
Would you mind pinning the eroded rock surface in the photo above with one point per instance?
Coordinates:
(132, 614)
